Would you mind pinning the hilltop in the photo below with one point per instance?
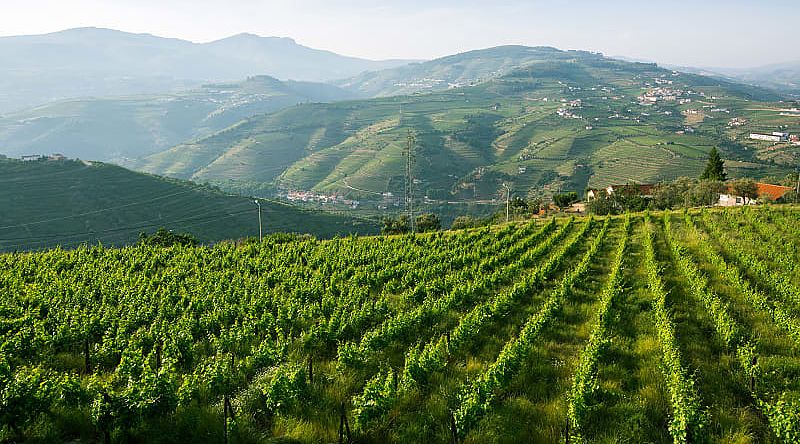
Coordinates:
(564, 120)
(68, 203)
(121, 128)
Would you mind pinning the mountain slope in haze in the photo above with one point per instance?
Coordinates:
(567, 119)
(783, 77)
(95, 62)
(116, 129)
(449, 72)
(68, 203)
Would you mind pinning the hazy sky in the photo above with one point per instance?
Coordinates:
(729, 33)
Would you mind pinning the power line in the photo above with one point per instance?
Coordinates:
(26, 224)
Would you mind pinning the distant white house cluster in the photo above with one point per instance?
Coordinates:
(36, 157)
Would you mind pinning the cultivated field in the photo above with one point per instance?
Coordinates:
(660, 327)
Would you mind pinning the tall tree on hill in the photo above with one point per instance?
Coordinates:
(715, 168)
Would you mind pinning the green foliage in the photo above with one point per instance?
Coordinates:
(746, 188)
(428, 222)
(565, 199)
(412, 337)
(164, 238)
(396, 225)
(463, 222)
(715, 168)
(688, 418)
(584, 380)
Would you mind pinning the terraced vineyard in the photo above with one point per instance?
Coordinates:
(673, 327)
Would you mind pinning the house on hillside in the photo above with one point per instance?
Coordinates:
(765, 191)
(643, 190)
(774, 137)
(32, 157)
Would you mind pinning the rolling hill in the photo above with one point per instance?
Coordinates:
(565, 120)
(92, 62)
(69, 203)
(119, 128)
(781, 77)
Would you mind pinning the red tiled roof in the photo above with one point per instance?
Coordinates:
(774, 192)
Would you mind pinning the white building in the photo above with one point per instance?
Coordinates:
(767, 137)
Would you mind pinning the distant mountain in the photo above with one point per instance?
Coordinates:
(102, 62)
(69, 203)
(453, 71)
(559, 120)
(783, 77)
(118, 129)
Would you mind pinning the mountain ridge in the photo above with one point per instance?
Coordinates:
(84, 62)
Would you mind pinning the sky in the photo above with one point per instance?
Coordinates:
(701, 33)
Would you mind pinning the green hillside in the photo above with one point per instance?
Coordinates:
(567, 120)
(121, 128)
(67, 203)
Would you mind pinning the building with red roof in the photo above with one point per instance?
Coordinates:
(764, 191)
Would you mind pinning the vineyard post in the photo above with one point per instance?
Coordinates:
(341, 427)
(260, 235)
(311, 369)
(566, 431)
(86, 362)
(225, 419)
(797, 190)
(753, 364)
(453, 429)
(159, 346)
(344, 427)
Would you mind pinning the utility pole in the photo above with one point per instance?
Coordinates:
(260, 233)
(411, 145)
(797, 190)
(508, 199)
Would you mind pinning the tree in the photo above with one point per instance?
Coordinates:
(715, 168)
(705, 192)
(746, 188)
(602, 205)
(565, 199)
(428, 222)
(166, 238)
(630, 198)
(398, 225)
(672, 194)
(462, 222)
(523, 207)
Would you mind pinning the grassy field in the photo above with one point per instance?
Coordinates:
(662, 327)
(69, 203)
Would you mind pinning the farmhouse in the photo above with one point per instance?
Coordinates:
(764, 191)
(774, 137)
(32, 157)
